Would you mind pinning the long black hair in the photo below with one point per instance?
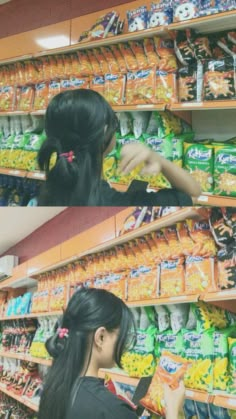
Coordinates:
(83, 122)
(87, 310)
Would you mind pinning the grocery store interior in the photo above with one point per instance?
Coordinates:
(173, 267)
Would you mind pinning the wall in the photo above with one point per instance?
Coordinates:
(25, 15)
(64, 226)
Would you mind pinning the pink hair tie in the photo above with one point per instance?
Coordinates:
(63, 333)
(69, 156)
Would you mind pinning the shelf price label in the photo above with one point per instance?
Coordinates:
(39, 175)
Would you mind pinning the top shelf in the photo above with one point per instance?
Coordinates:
(208, 24)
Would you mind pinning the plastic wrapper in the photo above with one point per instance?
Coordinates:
(80, 83)
(226, 263)
(170, 370)
(41, 96)
(114, 89)
(126, 125)
(190, 83)
(199, 274)
(138, 51)
(204, 244)
(98, 84)
(161, 14)
(221, 361)
(85, 66)
(186, 10)
(169, 341)
(102, 28)
(53, 89)
(168, 124)
(232, 365)
(140, 123)
(166, 90)
(142, 283)
(129, 57)
(173, 241)
(150, 51)
(7, 98)
(137, 19)
(219, 79)
(209, 316)
(111, 60)
(171, 277)
(199, 161)
(165, 51)
(26, 98)
(122, 391)
(225, 170)
(119, 58)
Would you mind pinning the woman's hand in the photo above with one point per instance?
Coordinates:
(174, 400)
(133, 155)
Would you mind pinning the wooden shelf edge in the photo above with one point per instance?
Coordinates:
(20, 399)
(31, 315)
(165, 300)
(227, 401)
(25, 357)
(206, 105)
(216, 17)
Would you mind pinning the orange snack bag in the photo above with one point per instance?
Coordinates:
(173, 241)
(142, 283)
(60, 66)
(31, 73)
(186, 242)
(114, 89)
(166, 88)
(41, 96)
(138, 51)
(141, 87)
(199, 274)
(204, 244)
(145, 250)
(130, 60)
(96, 69)
(79, 83)
(119, 58)
(130, 256)
(26, 98)
(7, 98)
(85, 66)
(20, 73)
(53, 89)
(171, 370)
(122, 259)
(150, 51)
(75, 65)
(116, 283)
(162, 245)
(67, 65)
(102, 61)
(165, 51)
(153, 248)
(112, 63)
(98, 84)
(46, 68)
(171, 277)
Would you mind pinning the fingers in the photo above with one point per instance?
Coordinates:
(129, 163)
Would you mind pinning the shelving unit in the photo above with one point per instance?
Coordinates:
(28, 358)
(31, 315)
(20, 399)
(207, 105)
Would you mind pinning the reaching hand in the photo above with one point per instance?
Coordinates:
(133, 155)
(174, 400)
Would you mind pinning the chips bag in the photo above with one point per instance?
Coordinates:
(138, 51)
(170, 370)
(221, 361)
(151, 54)
(204, 244)
(226, 263)
(169, 341)
(232, 365)
(114, 89)
(171, 277)
(225, 170)
(199, 161)
(209, 316)
(137, 19)
(129, 57)
(41, 96)
(199, 274)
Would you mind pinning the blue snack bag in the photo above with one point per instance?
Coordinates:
(186, 10)
(137, 19)
(161, 14)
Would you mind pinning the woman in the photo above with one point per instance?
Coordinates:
(96, 329)
(80, 128)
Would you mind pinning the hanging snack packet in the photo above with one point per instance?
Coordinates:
(150, 51)
(168, 124)
(200, 233)
(165, 51)
(111, 60)
(122, 391)
(85, 66)
(80, 83)
(96, 69)
(137, 19)
(41, 96)
(232, 365)
(162, 245)
(142, 283)
(169, 341)
(221, 361)
(140, 361)
(170, 370)
(186, 241)
(171, 277)
(198, 350)
(161, 14)
(141, 87)
(163, 318)
(184, 49)
(178, 316)
(190, 83)
(75, 65)
(199, 274)
(54, 88)
(199, 161)
(114, 89)
(219, 79)
(26, 98)
(138, 51)
(140, 123)
(98, 84)
(31, 150)
(173, 242)
(221, 228)
(130, 60)
(225, 170)
(226, 263)
(166, 89)
(209, 316)
(102, 27)
(65, 85)
(126, 124)
(186, 10)
(102, 61)
(119, 58)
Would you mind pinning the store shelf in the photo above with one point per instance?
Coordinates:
(216, 200)
(144, 107)
(31, 315)
(220, 295)
(209, 105)
(228, 401)
(198, 396)
(21, 399)
(36, 175)
(167, 300)
(207, 24)
(13, 113)
(13, 172)
(28, 358)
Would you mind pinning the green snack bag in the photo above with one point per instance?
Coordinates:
(199, 161)
(221, 361)
(198, 349)
(31, 148)
(169, 341)
(178, 147)
(3, 152)
(110, 166)
(135, 174)
(168, 124)
(162, 146)
(232, 365)
(225, 169)
(209, 316)
(16, 155)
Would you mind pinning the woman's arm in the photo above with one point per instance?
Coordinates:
(133, 155)
(174, 400)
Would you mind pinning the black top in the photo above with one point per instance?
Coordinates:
(164, 197)
(94, 401)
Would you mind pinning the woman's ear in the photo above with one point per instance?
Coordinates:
(99, 337)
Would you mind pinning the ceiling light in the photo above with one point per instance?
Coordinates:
(53, 41)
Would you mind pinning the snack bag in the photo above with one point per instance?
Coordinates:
(232, 365)
(186, 241)
(31, 148)
(140, 88)
(119, 58)
(173, 241)
(75, 65)
(163, 317)
(17, 154)
(190, 83)
(85, 66)
(178, 316)
(151, 54)
(53, 89)
(122, 391)
(199, 161)
(114, 89)
(199, 274)
(200, 233)
(111, 60)
(171, 277)
(168, 124)
(138, 51)
(221, 360)
(79, 83)
(161, 14)
(162, 245)
(142, 283)
(102, 61)
(221, 228)
(186, 10)
(169, 341)
(139, 361)
(7, 98)
(226, 263)
(166, 90)
(219, 79)
(170, 370)
(41, 96)
(116, 283)
(198, 350)
(130, 59)
(98, 84)
(137, 19)
(101, 28)
(165, 51)
(209, 316)
(225, 170)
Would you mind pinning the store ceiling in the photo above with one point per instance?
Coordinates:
(18, 223)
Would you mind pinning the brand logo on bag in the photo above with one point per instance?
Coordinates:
(40, 86)
(111, 77)
(153, 141)
(169, 365)
(197, 154)
(192, 337)
(98, 80)
(233, 351)
(169, 264)
(144, 269)
(226, 159)
(66, 84)
(192, 259)
(142, 74)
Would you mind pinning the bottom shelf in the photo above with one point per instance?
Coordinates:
(228, 401)
(20, 399)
